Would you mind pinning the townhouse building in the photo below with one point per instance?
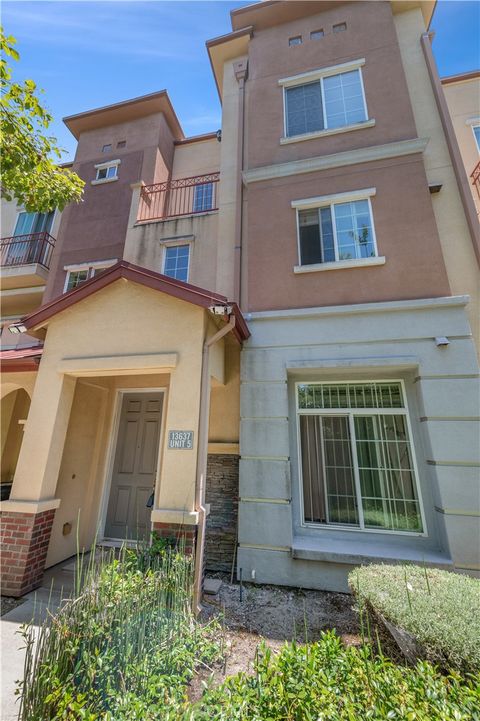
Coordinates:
(261, 338)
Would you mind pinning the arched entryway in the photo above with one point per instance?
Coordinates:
(14, 411)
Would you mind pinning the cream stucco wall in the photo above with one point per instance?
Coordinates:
(463, 100)
(457, 247)
(124, 336)
(196, 158)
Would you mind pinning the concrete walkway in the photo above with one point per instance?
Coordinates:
(57, 584)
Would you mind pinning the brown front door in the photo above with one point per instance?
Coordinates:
(135, 466)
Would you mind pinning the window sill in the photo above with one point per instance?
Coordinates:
(101, 181)
(331, 131)
(362, 551)
(339, 265)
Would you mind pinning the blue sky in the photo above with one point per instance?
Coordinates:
(86, 54)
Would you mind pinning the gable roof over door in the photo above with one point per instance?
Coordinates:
(135, 273)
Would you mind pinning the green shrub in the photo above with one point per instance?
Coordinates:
(440, 609)
(325, 681)
(123, 650)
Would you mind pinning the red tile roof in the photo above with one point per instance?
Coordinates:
(20, 359)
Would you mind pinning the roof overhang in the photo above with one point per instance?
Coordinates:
(126, 111)
(136, 274)
(265, 14)
(227, 47)
(461, 77)
(20, 360)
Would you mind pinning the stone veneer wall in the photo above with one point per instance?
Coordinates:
(24, 545)
(222, 495)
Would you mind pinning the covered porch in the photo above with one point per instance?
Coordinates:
(116, 441)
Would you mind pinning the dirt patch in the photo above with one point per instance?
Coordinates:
(283, 614)
(8, 603)
(273, 615)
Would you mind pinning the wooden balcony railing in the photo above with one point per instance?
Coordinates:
(475, 176)
(176, 198)
(26, 249)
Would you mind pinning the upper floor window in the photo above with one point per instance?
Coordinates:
(356, 456)
(176, 262)
(340, 27)
(78, 274)
(336, 231)
(297, 40)
(107, 148)
(324, 100)
(203, 197)
(28, 223)
(476, 132)
(106, 172)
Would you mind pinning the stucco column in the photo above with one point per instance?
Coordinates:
(27, 517)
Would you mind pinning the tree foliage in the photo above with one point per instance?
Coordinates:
(30, 173)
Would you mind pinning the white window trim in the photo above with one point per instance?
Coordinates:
(330, 131)
(340, 264)
(101, 166)
(349, 412)
(94, 265)
(175, 244)
(312, 75)
(327, 201)
(477, 141)
(320, 74)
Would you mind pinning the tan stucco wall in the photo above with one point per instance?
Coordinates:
(12, 381)
(196, 158)
(224, 423)
(463, 100)
(456, 242)
(70, 423)
(14, 409)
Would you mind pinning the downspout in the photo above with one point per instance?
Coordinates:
(240, 68)
(202, 460)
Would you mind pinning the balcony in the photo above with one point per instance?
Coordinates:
(25, 260)
(192, 196)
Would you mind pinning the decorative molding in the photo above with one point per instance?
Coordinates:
(168, 515)
(33, 507)
(328, 131)
(362, 308)
(340, 264)
(227, 449)
(306, 203)
(312, 75)
(336, 160)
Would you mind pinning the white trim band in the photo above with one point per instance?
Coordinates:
(328, 131)
(336, 160)
(340, 264)
(312, 75)
(307, 203)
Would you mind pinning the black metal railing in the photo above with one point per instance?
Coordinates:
(33, 248)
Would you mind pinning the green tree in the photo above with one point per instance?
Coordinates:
(30, 173)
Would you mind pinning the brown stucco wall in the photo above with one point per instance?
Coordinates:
(271, 58)
(95, 229)
(405, 230)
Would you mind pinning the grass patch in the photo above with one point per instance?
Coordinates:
(440, 609)
(325, 681)
(124, 649)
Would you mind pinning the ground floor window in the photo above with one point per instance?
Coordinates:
(356, 456)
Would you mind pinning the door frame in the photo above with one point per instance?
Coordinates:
(112, 448)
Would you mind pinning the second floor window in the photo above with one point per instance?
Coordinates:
(203, 197)
(33, 223)
(476, 132)
(335, 232)
(176, 262)
(326, 102)
(107, 173)
(78, 274)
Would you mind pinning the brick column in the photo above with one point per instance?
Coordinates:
(24, 545)
(180, 533)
